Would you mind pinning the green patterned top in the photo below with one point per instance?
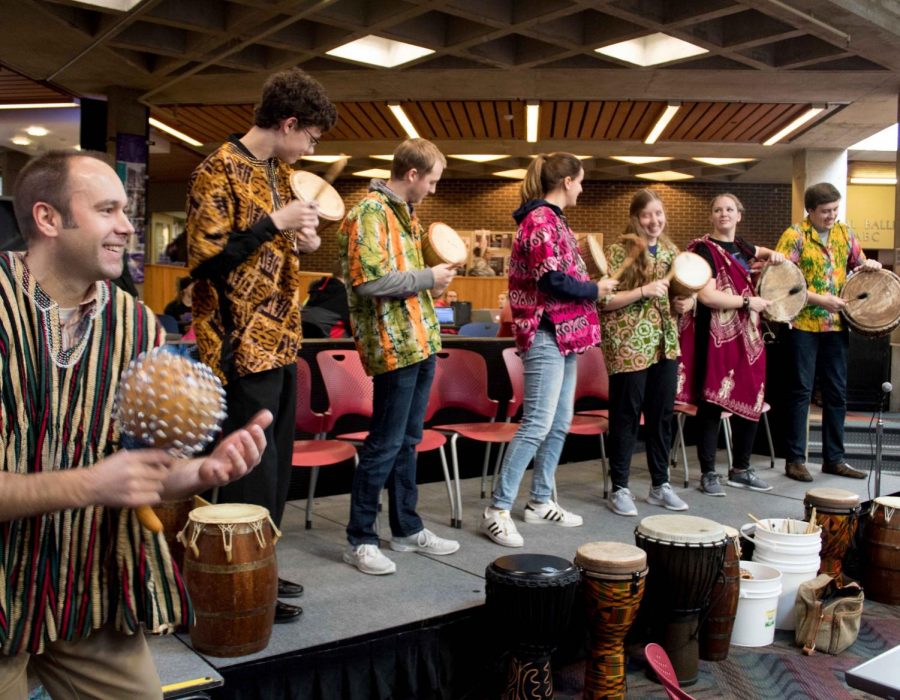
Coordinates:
(638, 335)
(381, 235)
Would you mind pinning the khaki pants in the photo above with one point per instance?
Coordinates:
(107, 665)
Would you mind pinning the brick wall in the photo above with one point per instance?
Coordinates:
(602, 207)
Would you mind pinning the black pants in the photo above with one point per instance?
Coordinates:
(268, 484)
(743, 433)
(649, 391)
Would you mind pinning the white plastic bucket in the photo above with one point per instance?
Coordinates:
(796, 556)
(754, 623)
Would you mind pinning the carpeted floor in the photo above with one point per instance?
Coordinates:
(779, 671)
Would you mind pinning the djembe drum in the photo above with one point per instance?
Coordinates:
(784, 287)
(837, 511)
(232, 575)
(590, 246)
(882, 549)
(612, 583)
(172, 403)
(873, 302)
(443, 245)
(685, 555)
(529, 600)
(718, 618)
(689, 274)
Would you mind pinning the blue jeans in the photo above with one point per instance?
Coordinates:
(548, 405)
(824, 354)
(388, 456)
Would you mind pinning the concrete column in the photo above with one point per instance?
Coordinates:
(812, 167)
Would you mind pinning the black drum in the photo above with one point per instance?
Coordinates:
(529, 603)
(685, 555)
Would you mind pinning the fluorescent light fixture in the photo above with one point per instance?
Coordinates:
(662, 123)
(794, 125)
(652, 50)
(535, 155)
(174, 132)
(39, 105)
(36, 131)
(21, 140)
(515, 174)
(477, 157)
(118, 5)
(641, 160)
(665, 176)
(401, 117)
(884, 140)
(873, 181)
(373, 172)
(389, 156)
(378, 51)
(324, 159)
(723, 161)
(532, 115)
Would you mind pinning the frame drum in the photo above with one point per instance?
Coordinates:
(443, 245)
(232, 576)
(784, 287)
(690, 273)
(311, 188)
(591, 248)
(873, 302)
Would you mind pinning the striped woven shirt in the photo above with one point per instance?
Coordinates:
(67, 573)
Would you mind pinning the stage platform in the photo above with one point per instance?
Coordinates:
(427, 618)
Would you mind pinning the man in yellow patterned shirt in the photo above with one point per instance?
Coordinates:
(825, 250)
(245, 237)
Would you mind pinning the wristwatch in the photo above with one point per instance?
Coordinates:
(746, 303)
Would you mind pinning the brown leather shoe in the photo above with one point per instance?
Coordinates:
(843, 469)
(797, 471)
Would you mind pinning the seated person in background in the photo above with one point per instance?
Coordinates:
(176, 251)
(501, 300)
(326, 313)
(180, 307)
(480, 266)
(448, 298)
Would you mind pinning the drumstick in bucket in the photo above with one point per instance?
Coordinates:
(758, 522)
(812, 522)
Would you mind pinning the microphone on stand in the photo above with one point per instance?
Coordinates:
(886, 389)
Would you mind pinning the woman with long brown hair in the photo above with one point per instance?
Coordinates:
(640, 344)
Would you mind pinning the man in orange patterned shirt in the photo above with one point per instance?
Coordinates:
(825, 250)
(245, 237)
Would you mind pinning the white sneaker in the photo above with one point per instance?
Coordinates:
(369, 559)
(550, 512)
(497, 525)
(665, 496)
(424, 541)
(621, 502)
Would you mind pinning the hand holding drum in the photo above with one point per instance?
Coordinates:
(169, 402)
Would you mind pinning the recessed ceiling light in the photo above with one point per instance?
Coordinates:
(324, 159)
(884, 140)
(662, 123)
(652, 50)
(118, 5)
(873, 181)
(36, 131)
(723, 161)
(515, 174)
(665, 176)
(794, 125)
(477, 157)
(174, 132)
(641, 160)
(378, 51)
(532, 115)
(21, 140)
(39, 105)
(389, 156)
(373, 172)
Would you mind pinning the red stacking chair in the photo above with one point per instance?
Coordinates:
(593, 382)
(318, 452)
(658, 660)
(350, 392)
(515, 371)
(461, 381)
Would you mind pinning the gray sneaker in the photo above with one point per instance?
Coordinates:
(424, 541)
(710, 484)
(747, 479)
(665, 496)
(621, 502)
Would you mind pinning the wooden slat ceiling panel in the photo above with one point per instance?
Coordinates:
(15, 88)
(720, 122)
